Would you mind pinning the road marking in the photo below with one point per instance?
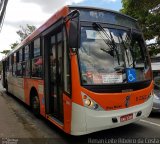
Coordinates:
(155, 124)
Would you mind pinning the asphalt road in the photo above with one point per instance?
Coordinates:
(18, 122)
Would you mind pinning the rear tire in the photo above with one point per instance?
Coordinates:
(35, 105)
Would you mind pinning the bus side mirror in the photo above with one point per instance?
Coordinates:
(73, 36)
(73, 17)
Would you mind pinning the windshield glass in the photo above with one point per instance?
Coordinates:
(110, 56)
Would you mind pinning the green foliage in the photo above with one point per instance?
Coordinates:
(25, 31)
(147, 12)
(5, 52)
(13, 45)
(154, 49)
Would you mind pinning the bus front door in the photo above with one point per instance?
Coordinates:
(54, 82)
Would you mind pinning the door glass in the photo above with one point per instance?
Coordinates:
(56, 75)
(53, 74)
(66, 66)
(60, 85)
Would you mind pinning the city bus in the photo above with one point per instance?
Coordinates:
(85, 70)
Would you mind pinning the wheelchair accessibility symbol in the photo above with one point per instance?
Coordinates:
(131, 75)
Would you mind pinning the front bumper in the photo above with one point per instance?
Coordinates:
(86, 121)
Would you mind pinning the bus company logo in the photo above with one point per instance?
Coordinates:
(127, 101)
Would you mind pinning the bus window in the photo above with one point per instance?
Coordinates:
(26, 53)
(26, 63)
(14, 69)
(36, 47)
(10, 64)
(19, 65)
(20, 55)
(37, 60)
(37, 67)
(7, 65)
(27, 68)
(14, 65)
(19, 69)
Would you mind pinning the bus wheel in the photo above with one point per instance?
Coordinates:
(35, 105)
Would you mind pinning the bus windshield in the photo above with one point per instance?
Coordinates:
(111, 56)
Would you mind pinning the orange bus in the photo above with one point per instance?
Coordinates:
(86, 69)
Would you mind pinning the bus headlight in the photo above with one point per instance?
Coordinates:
(90, 103)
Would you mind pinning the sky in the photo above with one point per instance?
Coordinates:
(36, 12)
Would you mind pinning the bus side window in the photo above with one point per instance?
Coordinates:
(7, 66)
(26, 61)
(10, 64)
(14, 65)
(37, 70)
(19, 63)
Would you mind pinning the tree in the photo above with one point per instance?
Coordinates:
(13, 45)
(5, 52)
(23, 33)
(147, 12)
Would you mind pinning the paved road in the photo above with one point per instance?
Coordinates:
(17, 121)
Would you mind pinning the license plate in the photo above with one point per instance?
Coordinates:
(126, 117)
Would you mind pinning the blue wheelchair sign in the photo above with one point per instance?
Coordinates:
(131, 75)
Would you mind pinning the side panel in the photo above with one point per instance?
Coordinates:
(16, 86)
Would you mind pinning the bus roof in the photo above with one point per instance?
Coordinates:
(60, 13)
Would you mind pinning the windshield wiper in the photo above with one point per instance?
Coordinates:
(124, 47)
(133, 63)
(110, 38)
(99, 28)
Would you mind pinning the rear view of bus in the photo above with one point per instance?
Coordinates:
(110, 71)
